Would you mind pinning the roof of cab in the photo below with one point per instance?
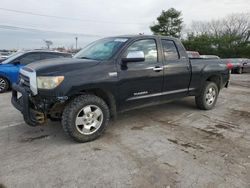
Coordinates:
(145, 36)
(42, 50)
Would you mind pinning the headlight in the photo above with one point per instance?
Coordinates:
(49, 82)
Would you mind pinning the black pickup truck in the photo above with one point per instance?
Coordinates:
(112, 75)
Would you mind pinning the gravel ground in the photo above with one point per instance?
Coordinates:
(171, 145)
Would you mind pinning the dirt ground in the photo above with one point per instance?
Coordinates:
(171, 145)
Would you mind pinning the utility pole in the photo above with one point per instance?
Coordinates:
(76, 42)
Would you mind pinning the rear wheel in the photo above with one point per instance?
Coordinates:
(207, 99)
(240, 70)
(85, 118)
(4, 85)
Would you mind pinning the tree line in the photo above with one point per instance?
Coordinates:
(227, 37)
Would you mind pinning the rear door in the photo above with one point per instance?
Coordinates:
(177, 71)
(140, 82)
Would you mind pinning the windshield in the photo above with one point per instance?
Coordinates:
(102, 49)
(12, 57)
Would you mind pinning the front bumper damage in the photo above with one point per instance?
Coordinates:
(31, 115)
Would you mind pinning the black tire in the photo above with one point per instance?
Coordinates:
(240, 70)
(4, 85)
(73, 109)
(201, 100)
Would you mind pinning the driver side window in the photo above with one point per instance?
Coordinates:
(148, 46)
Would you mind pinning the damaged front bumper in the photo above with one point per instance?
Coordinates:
(31, 115)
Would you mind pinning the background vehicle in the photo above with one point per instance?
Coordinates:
(9, 69)
(246, 65)
(240, 65)
(113, 75)
(2, 59)
(4, 55)
(193, 54)
(209, 56)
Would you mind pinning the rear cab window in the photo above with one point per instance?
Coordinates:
(170, 50)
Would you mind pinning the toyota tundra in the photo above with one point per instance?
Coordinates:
(113, 75)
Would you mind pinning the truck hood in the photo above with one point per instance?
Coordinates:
(60, 65)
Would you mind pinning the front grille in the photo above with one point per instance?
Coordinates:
(24, 81)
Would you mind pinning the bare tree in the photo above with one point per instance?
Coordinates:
(199, 28)
(48, 43)
(237, 25)
(234, 25)
(215, 28)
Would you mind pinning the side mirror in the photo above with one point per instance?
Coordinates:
(134, 56)
(16, 62)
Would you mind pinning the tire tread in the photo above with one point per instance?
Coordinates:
(199, 100)
(67, 117)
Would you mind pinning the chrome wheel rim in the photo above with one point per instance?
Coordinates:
(2, 84)
(89, 119)
(210, 96)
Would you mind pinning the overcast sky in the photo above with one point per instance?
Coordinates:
(92, 19)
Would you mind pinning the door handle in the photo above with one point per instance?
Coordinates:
(157, 69)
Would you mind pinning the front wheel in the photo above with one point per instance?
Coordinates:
(207, 98)
(4, 85)
(85, 118)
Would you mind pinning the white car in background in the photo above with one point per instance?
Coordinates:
(193, 54)
(209, 56)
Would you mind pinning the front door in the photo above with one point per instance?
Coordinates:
(141, 82)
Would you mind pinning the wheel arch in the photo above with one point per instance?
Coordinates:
(216, 79)
(107, 96)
